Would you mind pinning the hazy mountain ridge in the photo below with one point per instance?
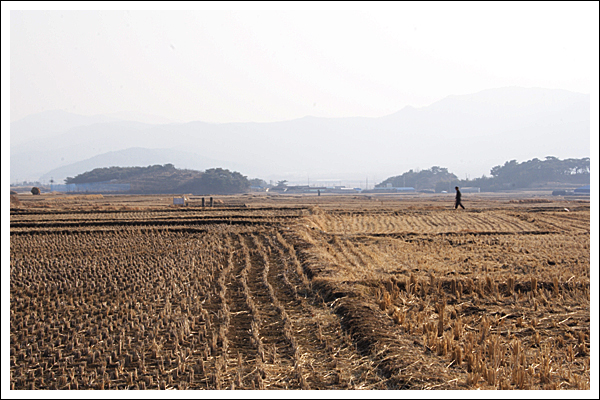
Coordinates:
(51, 122)
(492, 126)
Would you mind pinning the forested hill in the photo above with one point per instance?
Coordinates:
(535, 173)
(512, 175)
(167, 179)
(127, 173)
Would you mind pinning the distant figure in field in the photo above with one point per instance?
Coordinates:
(458, 202)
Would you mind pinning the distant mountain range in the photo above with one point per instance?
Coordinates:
(468, 134)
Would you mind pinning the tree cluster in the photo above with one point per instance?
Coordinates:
(168, 179)
(217, 181)
(257, 182)
(528, 173)
(423, 179)
(119, 173)
(511, 175)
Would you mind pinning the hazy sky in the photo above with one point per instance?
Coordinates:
(262, 64)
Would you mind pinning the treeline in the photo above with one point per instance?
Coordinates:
(534, 173)
(120, 173)
(437, 178)
(512, 175)
(217, 181)
(168, 179)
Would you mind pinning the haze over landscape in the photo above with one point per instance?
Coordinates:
(306, 94)
(469, 133)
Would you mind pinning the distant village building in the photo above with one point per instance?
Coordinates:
(179, 201)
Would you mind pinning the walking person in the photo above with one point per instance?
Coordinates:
(458, 201)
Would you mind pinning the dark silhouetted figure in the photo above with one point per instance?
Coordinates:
(458, 202)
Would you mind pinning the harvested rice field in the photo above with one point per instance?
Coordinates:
(300, 292)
